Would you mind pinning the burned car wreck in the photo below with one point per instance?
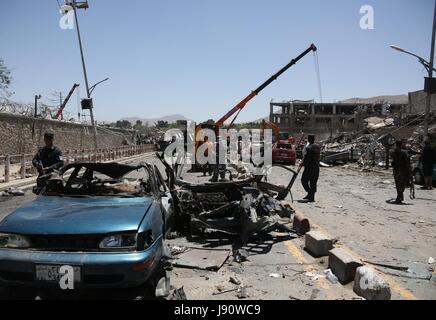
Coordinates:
(106, 221)
(238, 208)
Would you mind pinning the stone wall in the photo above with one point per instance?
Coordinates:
(17, 138)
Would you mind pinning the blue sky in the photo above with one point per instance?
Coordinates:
(200, 57)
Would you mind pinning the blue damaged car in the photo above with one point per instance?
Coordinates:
(106, 222)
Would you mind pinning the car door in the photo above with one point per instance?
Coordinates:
(166, 200)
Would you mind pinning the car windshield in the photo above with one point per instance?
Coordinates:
(284, 146)
(91, 180)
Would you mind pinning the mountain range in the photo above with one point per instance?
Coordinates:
(170, 119)
(173, 118)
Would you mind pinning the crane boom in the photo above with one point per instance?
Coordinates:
(64, 104)
(241, 105)
(266, 124)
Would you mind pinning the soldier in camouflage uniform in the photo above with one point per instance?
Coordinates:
(402, 170)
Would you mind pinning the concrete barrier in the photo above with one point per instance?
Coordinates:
(371, 286)
(318, 244)
(343, 264)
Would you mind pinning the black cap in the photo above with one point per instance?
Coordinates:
(49, 135)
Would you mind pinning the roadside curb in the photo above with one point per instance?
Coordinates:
(403, 292)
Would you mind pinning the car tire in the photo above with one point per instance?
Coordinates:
(418, 177)
(16, 293)
(4, 293)
(148, 289)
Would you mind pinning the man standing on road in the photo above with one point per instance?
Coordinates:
(311, 169)
(402, 170)
(48, 158)
(428, 160)
(207, 168)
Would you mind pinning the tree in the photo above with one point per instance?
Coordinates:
(138, 126)
(123, 124)
(5, 80)
(247, 125)
(162, 124)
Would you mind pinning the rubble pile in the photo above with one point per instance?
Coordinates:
(369, 148)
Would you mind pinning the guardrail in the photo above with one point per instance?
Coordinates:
(23, 163)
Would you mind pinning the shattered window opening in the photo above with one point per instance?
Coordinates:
(101, 180)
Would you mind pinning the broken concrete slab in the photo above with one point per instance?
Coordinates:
(203, 259)
(318, 244)
(370, 285)
(343, 264)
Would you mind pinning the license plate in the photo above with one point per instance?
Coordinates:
(50, 273)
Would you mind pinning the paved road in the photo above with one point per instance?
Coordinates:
(351, 206)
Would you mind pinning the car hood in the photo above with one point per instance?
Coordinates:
(63, 215)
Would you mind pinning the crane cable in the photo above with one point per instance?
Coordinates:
(318, 78)
(318, 74)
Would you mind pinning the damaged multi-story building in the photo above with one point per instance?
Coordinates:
(296, 116)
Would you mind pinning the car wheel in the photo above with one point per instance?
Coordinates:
(16, 293)
(148, 291)
(419, 178)
(4, 293)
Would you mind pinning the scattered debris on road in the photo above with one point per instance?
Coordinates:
(203, 259)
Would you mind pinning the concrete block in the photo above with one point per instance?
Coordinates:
(370, 285)
(300, 223)
(343, 264)
(318, 244)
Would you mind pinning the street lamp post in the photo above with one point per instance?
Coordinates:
(430, 77)
(92, 88)
(88, 92)
(429, 66)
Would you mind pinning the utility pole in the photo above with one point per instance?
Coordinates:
(430, 77)
(88, 93)
(37, 97)
(60, 105)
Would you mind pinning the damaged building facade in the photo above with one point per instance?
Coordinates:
(325, 119)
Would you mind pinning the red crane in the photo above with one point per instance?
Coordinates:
(238, 108)
(64, 104)
(241, 105)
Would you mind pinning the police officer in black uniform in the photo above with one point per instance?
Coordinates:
(402, 170)
(47, 159)
(310, 163)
